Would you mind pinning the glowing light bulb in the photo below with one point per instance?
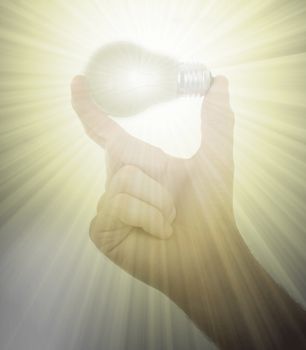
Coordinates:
(125, 79)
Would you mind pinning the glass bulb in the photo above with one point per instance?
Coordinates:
(125, 79)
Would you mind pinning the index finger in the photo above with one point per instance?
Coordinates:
(92, 117)
(123, 147)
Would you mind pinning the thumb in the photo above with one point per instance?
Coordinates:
(217, 122)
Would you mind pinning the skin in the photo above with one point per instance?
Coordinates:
(170, 223)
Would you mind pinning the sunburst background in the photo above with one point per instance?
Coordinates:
(57, 290)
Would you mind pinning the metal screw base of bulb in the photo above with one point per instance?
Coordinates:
(194, 79)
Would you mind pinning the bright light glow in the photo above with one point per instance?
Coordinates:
(126, 79)
(52, 175)
(137, 77)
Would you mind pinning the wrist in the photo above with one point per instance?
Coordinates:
(232, 299)
(210, 266)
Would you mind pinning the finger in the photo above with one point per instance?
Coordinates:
(122, 147)
(95, 121)
(133, 181)
(132, 151)
(107, 232)
(217, 121)
(136, 213)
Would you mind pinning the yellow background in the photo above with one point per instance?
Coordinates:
(55, 284)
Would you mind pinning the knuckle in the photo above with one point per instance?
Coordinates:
(92, 230)
(115, 205)
(124, 178)
(102, 203)
(101, 238)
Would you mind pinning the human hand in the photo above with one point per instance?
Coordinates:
(167, 221)
(170, 223)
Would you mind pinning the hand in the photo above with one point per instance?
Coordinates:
(169, 222)
(160, 214)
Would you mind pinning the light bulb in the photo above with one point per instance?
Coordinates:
(125, 79)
